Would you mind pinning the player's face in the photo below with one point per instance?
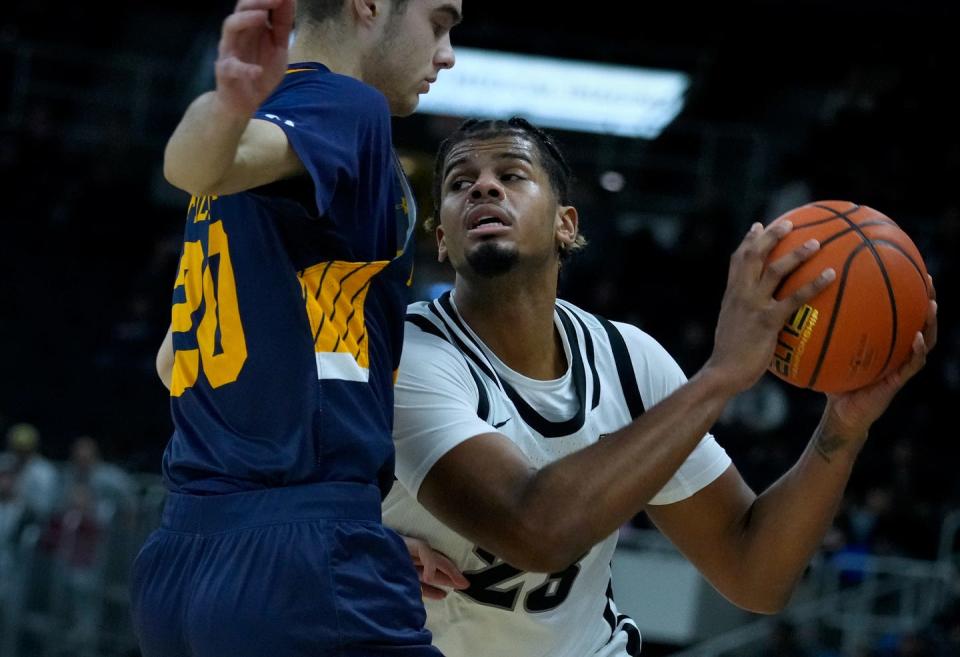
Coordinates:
(415, 47)
(498, 208)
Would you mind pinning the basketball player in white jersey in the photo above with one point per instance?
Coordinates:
(528, 430)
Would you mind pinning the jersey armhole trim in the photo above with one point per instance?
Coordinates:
(625, 371)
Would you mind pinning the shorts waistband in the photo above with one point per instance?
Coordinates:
(207, 514)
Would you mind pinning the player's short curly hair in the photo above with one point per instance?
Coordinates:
(320, 11)
(558, 171)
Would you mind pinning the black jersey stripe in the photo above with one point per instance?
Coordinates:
(591, 361)
(459, 344)
(473, 360)
(625, 371)
(530, 416)
(443, 302)
(633, 636)
(621, 623)
(608, 614)
(483, 403)
(537, 422)
(425, 325)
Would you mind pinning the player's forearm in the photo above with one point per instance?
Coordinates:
(787, 523)
(606, 484)
(204, 146)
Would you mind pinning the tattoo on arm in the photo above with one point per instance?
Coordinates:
(826, 444)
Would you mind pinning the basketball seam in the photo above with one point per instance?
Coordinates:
(842, 284)
(899, 249)
(835, 236)
(849, 230)
(886, 280)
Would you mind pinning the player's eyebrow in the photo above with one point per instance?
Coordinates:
(505, 155)
(455, 16)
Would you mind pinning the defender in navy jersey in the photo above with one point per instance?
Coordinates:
(528, 430)
(285, 336)
(297, 340)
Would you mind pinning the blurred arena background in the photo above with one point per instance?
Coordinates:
(787, 102)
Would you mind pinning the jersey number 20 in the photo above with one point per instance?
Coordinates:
(207, 278)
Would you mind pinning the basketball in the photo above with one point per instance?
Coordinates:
(861, 327)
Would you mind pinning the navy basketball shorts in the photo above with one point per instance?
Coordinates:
(301, 571)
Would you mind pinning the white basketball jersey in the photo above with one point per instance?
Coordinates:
(451, 388)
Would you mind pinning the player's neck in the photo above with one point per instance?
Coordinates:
(515, 320)
(336, 54)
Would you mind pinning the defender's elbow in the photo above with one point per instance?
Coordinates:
(172, 175)
(176, 176)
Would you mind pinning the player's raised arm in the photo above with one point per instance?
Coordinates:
(753, 548)
(217, 148)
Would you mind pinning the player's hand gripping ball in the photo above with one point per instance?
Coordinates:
(861, 327)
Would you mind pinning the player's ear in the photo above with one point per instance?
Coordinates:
(567, 224)
(367, 11)
(441, 245)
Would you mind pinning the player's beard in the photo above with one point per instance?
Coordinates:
(492, 259)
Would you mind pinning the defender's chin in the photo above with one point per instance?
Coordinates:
(404, 105)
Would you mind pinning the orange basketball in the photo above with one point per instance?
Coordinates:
(861, 327)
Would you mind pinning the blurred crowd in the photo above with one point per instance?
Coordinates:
(81, 493)
(68, 533)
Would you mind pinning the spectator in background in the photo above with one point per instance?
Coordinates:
(112, 488)
(36, 478)
(73, 536)
(14, 516)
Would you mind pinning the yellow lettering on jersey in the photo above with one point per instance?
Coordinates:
(186, 369)
(221, 310)
(200, 207)
(189, 276)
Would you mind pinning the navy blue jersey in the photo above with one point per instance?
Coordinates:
(288, 305)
